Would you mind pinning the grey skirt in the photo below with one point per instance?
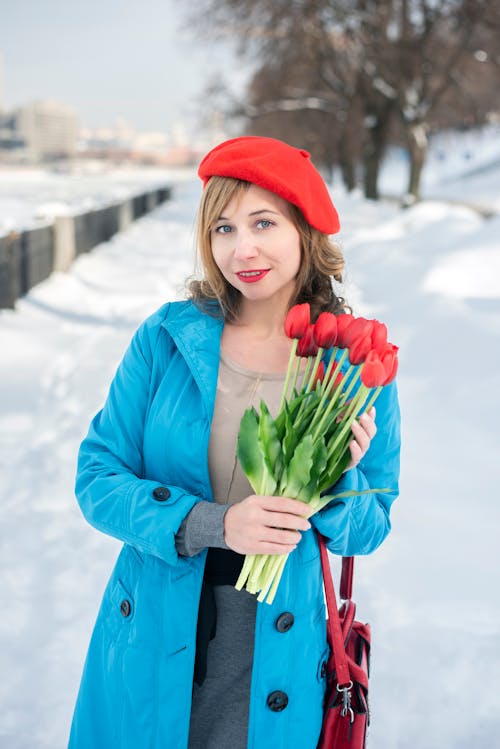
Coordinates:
(219, 713)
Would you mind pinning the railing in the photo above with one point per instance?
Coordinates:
(29, 257)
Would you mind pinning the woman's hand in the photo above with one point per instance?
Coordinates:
(265, 525)
(364, 430)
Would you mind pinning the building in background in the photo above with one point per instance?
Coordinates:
(122, 144)
(48, 129)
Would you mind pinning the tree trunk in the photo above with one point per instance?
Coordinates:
(417, 148)
(372, 167)
(377, 133)
(348, 169)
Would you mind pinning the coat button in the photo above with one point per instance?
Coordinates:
(125, 608)
(277, 701)
(161, 493)
(285, 621)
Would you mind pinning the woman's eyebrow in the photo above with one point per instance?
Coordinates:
(254, 213)
(263, 210)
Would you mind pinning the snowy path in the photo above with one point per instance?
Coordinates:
(433, 274)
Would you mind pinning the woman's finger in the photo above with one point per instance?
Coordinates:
(361, 436)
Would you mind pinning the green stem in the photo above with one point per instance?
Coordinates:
(288, 372)
(353, 381)
(277, 578)
(245, 571)
(349, 417)
(325, 415)
(315, 369)
(373, 398)
(254, 578)
(267, 577)
(329, 368)
(296, 374)
(306, 373)
(318, 415)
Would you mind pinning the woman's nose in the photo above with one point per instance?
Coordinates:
(245, 245)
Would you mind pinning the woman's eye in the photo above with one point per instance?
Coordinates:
(264, 223)
(224, 229)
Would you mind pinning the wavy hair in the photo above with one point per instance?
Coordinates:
(321, 259)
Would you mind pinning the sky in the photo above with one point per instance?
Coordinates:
(139, 61)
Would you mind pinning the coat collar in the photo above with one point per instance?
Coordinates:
(197, 336)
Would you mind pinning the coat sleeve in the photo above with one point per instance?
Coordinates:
(358, 525)
(110, 488)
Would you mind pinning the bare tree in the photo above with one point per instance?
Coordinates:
(343, 77)
(420, 53)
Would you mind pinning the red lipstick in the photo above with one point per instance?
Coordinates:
(252, 276)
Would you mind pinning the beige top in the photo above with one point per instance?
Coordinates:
(238, 388)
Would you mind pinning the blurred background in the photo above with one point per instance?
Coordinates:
(105, 111)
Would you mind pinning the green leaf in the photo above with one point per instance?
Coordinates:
(269, 443)
(279, 422)
(250, 454)
(304, 418)
(335, 468)
(290, 438)
(319, 460)
(317, 469)
(319, 503)
(299, 468)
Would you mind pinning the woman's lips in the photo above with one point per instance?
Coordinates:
(251, 276)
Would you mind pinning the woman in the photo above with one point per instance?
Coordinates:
(178, 657)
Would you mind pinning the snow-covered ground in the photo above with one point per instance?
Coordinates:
(30, 196)
(453, 155)
(432, 273)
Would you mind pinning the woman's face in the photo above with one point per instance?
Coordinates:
(257, 247)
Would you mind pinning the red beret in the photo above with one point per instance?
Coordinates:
(278, 167)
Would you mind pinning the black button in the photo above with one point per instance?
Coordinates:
(285, 621)
(161, 493)
(277, 701)
(125, 607)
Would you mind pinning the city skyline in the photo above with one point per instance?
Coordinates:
(136, 62)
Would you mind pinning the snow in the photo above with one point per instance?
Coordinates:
(431, 273)
(452, 156)
(29, 196)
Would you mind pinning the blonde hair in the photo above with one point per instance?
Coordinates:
(321, 259)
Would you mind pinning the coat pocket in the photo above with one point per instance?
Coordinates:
(118, 610)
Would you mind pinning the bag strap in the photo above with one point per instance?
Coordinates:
(334, 629)
(345, 589)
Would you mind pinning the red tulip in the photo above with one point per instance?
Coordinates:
(297, 320)
(379, 336)
(373, 372)
(307, 345)
(325, 330)
(359, 349)
(343, 323)
(319, 375)
(390, 361)
(338, 378)
(359, 328)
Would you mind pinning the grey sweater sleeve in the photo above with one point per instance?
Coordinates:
(203, 526)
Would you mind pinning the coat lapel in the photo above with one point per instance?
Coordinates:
(197, 337)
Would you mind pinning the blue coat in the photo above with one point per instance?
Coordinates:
(141, 469)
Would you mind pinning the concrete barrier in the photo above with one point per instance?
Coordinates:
(37, 256)
(10, 253)
(64, 242)
(29, 257)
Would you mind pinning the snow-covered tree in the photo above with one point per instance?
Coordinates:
(346, 77)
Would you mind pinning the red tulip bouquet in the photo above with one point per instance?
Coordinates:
(303, 452)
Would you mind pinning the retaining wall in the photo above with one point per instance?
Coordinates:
(29, 257)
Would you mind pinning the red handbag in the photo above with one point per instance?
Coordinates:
(346, 715)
